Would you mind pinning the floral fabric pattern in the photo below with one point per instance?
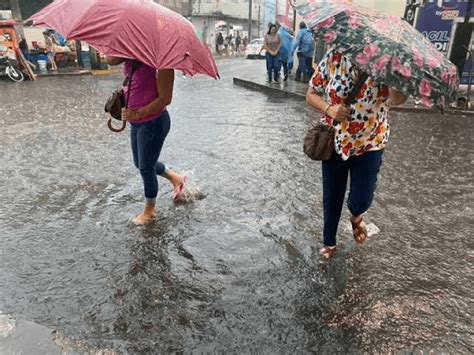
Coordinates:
(386, 47)
(368, 128)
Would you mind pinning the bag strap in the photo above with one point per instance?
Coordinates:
(351, 98)
(128, 79)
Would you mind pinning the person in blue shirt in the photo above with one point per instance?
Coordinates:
(286, 56)
(304, 46)
(60, 39)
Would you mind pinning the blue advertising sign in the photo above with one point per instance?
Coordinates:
(436, 24)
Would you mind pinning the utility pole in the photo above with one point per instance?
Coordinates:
(258, 21)
(250, 20)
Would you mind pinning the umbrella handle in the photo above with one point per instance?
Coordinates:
(116, 130)
(351, 98)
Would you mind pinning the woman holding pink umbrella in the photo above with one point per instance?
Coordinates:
(151, 91)
(161, 41)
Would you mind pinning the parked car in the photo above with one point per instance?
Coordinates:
(253, 48)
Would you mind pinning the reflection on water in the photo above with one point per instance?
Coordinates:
(237, 271)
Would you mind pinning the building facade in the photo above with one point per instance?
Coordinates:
(229, 17)
(183, 7)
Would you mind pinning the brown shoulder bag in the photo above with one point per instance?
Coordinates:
(117, 101)
(319, 139)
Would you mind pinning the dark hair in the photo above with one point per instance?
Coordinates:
(270, 26)
(302, 25)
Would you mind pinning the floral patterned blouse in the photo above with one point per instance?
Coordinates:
(368, 128)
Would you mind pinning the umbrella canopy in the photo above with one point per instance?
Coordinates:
(134, 29)
(386, 47)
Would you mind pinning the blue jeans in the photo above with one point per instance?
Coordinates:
(363, 171)
(273, 66)
(286, 68)
(305, 67)
(147, 140)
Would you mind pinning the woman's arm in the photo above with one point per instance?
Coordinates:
(396, 97)
(264, 46)
(337, 112)
(164, 84)
(279, 45)
(113, 60)
(296, 43)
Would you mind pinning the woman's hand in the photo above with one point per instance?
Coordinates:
(130, 115)
(339, 112)
(396, 97)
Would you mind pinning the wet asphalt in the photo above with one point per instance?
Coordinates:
(238, 271)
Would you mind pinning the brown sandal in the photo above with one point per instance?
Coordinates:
(359, 230)
(327, 252)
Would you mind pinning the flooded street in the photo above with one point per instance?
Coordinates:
(238, 271)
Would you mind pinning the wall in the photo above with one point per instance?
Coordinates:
(33, 34)
(205, 28)
(180, 6)
(228, 8)
(391, 7)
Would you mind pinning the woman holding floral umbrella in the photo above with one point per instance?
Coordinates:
(362, 132)
(399, 62)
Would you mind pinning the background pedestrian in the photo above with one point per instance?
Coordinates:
(304, 47)
(285, 50)
(50, 42)
(272, 44)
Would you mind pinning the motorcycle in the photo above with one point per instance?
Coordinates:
(8, 69)
(464, 102)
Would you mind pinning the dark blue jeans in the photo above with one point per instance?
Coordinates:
(363, 170)
(147, 140)
(305, 67)
(273, 66)
(286, 68)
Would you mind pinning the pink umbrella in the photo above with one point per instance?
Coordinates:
(134, 29)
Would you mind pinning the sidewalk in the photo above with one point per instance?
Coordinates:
(297, 90)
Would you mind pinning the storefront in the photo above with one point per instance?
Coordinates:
(8, 39)
(65, 52)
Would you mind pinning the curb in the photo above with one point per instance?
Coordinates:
(267, 89)
(294, 95)
(74, 73)
(106, 71)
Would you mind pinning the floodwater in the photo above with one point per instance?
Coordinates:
(238, 271)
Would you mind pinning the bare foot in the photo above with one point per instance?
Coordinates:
(143, 219)
(146, 217)
(176, 180)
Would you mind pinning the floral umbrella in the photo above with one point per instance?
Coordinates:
(386, 47)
